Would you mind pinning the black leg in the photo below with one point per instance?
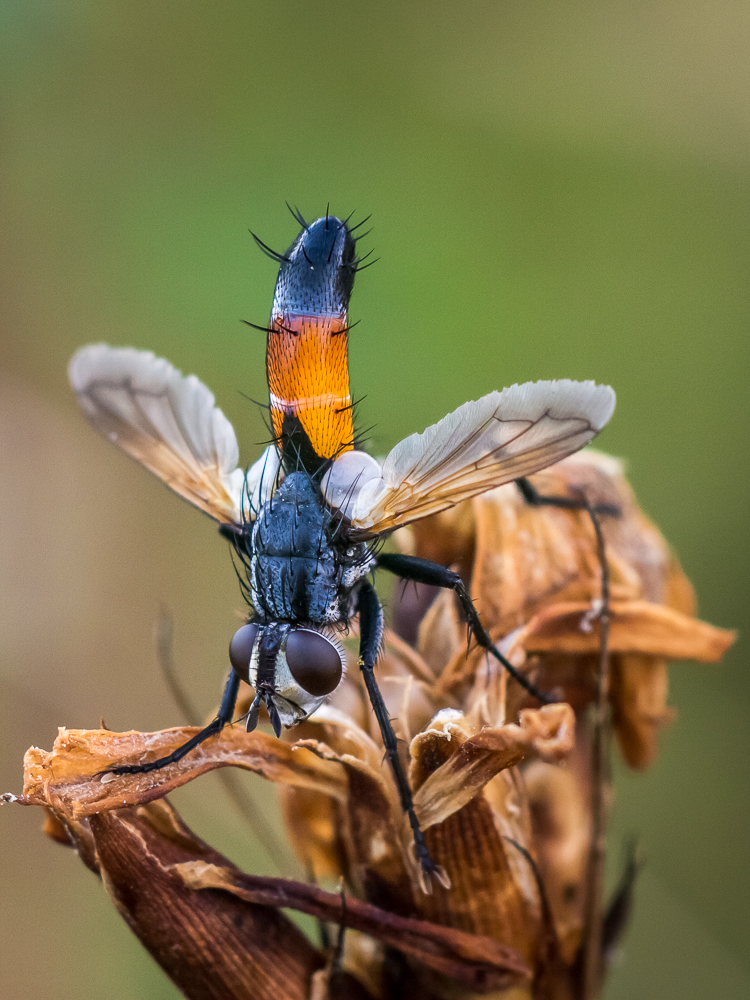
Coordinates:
(533, 497)
(226, 709)
(424, 571)
(370, 637)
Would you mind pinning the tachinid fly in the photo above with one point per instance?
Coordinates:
(304, 518)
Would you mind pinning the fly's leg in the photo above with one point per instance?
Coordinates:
(371, 636)
(226, 710)
(424, 571)
(533, 497)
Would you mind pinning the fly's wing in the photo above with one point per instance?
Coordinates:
(171, 424)
(481, 445)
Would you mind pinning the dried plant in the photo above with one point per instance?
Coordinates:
(512, 797)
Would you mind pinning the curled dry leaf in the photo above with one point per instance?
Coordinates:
(639, 686)
(469, 763)
(560, 818)
(479, 963)
(535, 578)
(212, 945)
(69, 778)
(152, 865)
(635, 627)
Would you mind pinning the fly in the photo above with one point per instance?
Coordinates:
(305, 519)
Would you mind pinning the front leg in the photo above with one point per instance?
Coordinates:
(226, 709)
(370, 638)
(533, 497)
(424, 571)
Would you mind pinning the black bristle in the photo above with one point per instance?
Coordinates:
(268, 251)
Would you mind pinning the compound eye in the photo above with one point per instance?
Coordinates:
(314, 661)
(241, 649)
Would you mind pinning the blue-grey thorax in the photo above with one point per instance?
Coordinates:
(301, 571)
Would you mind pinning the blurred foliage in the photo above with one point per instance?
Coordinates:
(557, 190)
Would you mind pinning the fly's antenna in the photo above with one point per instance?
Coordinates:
(279, 257)
(327, 207)
(297, 215)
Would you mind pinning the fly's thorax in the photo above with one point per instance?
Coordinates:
(302, 568)
(293, 668)
(294, 571)
(294, 521)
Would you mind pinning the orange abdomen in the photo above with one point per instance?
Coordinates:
(308, 377)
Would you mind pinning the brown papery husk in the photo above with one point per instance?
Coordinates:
(467, 828)
(69, 777)
(172, 888)
(211, 945)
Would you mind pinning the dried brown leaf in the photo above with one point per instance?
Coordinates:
(211, 944)
(559, 805)
(449, 769)
(639, 687)
(485, 897)
(635, 627)
(68, 777)
(367, 831)
(477, 962)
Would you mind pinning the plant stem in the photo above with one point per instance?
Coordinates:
(600, 793)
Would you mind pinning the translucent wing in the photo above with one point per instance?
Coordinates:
(482, 444)
(171, 424)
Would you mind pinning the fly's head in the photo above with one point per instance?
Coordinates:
(293, 669)
(316, 275)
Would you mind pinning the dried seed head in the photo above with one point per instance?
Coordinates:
(502, 788)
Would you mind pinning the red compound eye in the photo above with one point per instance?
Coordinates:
(241, 649)
(314, 661)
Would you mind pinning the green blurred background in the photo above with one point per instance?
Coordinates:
(557, 189)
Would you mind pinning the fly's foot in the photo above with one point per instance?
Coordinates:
(427, 870)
